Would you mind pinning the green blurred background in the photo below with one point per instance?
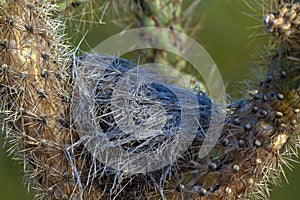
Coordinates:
(225, 35)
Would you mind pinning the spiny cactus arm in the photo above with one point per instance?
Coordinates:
(135, 14)
(262, 134)
(170, 14)
(35, 97)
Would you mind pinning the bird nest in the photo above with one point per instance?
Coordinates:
(134, 120)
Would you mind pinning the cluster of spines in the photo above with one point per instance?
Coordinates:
(285, 21)
(260, 136)
(80, 15)
(139, 13)
(35, 95)
(171, 14)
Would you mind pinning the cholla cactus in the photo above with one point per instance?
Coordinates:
(37, 77)
(35, 94)
(165, 14)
